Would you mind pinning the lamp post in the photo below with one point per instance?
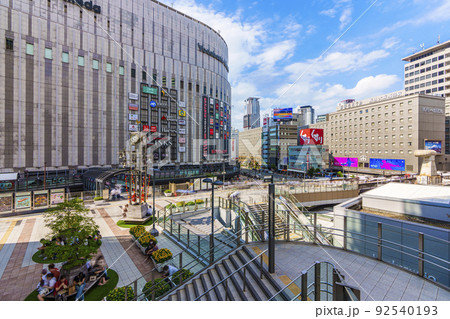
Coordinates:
(154, 232)
(211, 236)
(271, 226)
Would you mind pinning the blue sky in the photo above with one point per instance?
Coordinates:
(274, 44)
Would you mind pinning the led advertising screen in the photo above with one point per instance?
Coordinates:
(282, 114)
(434, 146)
(387, 164)
(310, 136)
(346, 161)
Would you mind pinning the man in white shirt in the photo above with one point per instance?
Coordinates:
(169, 270)
(47, 287)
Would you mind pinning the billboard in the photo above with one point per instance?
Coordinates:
(387, 164)
(145, 128)
(282, 114)
(133, 127)
(133, 107)
(311, 136)
(346, 161)
(434, 145)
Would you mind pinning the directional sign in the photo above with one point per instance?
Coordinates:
(152, 103)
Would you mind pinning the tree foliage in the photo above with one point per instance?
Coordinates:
(70, 221)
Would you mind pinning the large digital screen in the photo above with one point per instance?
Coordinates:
(346, 161)
(434, 146)
(282, 114)
(387, 164)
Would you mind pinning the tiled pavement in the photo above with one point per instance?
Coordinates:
(377, 280)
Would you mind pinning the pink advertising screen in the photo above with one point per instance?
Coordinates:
(346, 161)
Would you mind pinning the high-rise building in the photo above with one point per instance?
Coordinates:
(251, 119)
(427, 72)
(308, 114)
(250, 145)
(76, 81)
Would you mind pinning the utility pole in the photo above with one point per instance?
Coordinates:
(271, 227)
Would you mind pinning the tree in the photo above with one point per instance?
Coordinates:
(339, 174)
(70, 222)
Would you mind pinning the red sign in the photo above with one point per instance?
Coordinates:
(211, 131)
(153, 129)
(145, 128)
(311, 136)
(163, 118)
(133, 107)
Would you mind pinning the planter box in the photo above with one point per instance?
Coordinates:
(190, 207)
(141, 248)
(159, 267)
(201, 205)
(98, 202)
(168, 194)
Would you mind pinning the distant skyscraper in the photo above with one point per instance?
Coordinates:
(251, 119)
(308, 114)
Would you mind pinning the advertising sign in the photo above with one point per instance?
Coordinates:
(152, 104)
(23, 200)
(181, 140)
(40, 199)
(133, 107)
(149, 90)
(346, 161)
(182, 149)
(145, 128)
(434, 145)
(311, 136)
(133, 127)
(182, 131)
(153, 129)
(282, 114)
(181, 104)
(57, 196)
(133, 96)
(387, 164)
(182, 113)
(181, 122)
(133, 117)
(5, 202)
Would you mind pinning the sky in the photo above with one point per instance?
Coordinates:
(318, 52)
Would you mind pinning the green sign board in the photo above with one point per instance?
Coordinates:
(149, 90)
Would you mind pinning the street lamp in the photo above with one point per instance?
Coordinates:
(154, 232)
(211, 237)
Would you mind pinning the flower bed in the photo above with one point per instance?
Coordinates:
(162, 255)
(145, 239)
(118, 294)
(159, 286)
(137, 231)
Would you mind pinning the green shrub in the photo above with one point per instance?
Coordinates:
(160, 286)
(199, 201)
(191, 203)
(167, 191)
(162, 255)
(184, 274)
(180, 204)
(137, 231)
(118, 294)
(98, 198)
(168, 206)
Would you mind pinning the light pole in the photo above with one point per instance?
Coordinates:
(211, 236)
(154, 232)
(271, 226)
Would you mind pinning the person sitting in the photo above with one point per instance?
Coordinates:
(100, 271)
(169, 270)
(55, 271)
(47, 286)
(61, 287)
(80, 282)
(149, 211)
(151, 248)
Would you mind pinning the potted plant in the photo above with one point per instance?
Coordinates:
(161, 257)
(137, 231)
(190, 205)
(168, 193)
(181, 276)
(159, 286)
(118, 294)
(200, 203)
(143, 241)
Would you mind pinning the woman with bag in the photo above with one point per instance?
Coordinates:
(61, 288)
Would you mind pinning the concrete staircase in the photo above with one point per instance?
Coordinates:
(256, 289)
(260, 213)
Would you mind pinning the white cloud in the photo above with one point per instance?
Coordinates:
(311, 29)
(390, 42)
(330, 12)
(346, 18)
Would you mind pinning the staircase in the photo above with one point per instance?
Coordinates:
(260, 213)
(206, 287)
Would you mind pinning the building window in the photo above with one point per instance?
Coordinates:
(155, 77)
(173, 82)
(108, 67)
(164, 81)
(95, 64)
(133, 72)
(81, 60)
(30, 49)
(48, 53)
(144, 76)
(9, 44)
(121, 70)
(65, 57)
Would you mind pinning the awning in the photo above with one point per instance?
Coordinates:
(8, 176)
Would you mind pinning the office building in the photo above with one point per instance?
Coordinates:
(280, 137)
(76, 81)
(250, 145)
(234, 153)
(251, 119)
(379, 135)
(308, 114)
(426, 72)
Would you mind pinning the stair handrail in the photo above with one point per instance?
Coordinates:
(232, 274)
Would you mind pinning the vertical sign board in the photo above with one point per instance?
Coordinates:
(205, 126)
(211, 118)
